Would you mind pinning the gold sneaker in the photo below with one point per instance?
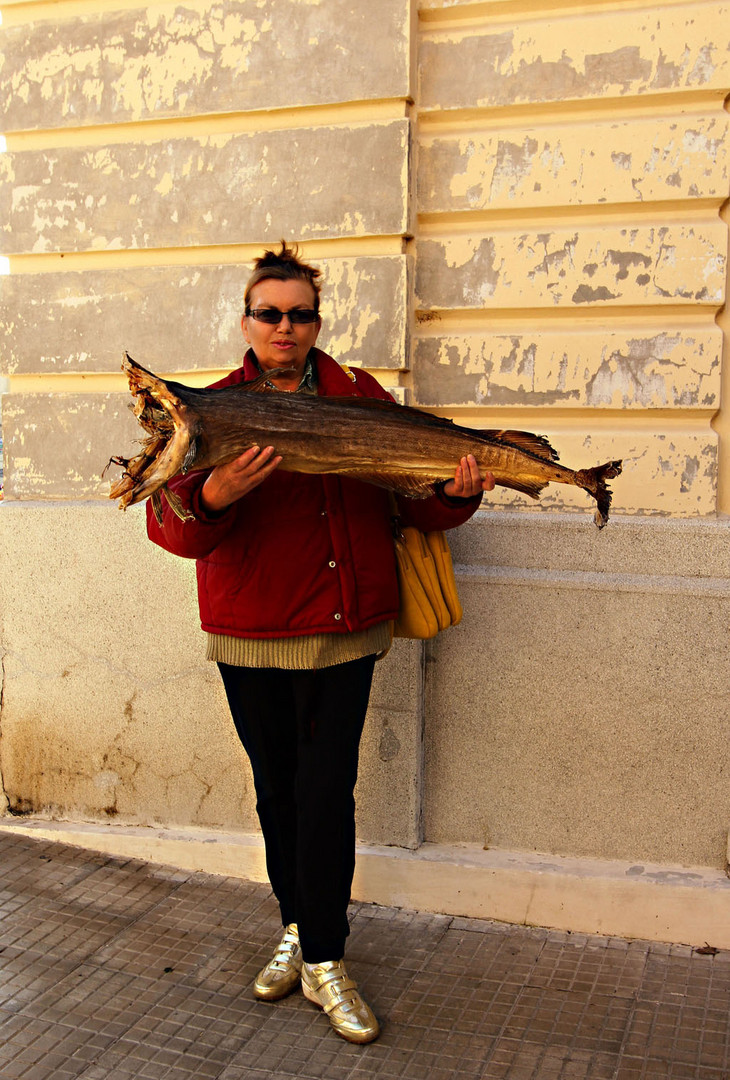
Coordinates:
(283, 972)
(329, 986)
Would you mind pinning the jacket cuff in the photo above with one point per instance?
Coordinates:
(456, 502)
(206, 517)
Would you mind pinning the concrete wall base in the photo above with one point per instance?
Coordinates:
(653, 902)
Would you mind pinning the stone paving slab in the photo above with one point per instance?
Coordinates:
(114, 969)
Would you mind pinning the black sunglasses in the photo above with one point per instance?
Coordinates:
(273, 316)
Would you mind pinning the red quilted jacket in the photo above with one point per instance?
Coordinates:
(299, 554)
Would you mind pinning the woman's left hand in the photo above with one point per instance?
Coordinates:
(468, 481)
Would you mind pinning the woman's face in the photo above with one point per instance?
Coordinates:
(284, 344)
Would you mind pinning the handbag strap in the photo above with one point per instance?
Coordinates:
(396, 526)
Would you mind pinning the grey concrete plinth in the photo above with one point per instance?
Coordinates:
(581, 706)
(109, 709)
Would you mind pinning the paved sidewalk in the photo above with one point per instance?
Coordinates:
(112, 969)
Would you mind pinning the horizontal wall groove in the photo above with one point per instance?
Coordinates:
(666, 104)
(104, 382)
(685, 211)
(595, 582)
(110, 382)
(130, 258)
(20, 12)
(593, 418)
(494, 12)
(349, 113)
(435, 322)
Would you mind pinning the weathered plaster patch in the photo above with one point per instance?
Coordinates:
(168, 60)
(685, 262)
(621, 160)
(576, 164)
(52, 454)
(588, 369)
(586, 55)
(689, 473)
(79, 320)
(624, 260)
(324, 182)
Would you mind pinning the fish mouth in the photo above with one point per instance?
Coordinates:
(163, 416)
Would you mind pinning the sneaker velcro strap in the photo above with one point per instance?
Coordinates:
(285, 949)
(335, 988)
(342, 995)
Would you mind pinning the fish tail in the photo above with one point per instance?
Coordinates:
(594, 482)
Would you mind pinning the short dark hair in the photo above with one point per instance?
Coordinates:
(284, 265)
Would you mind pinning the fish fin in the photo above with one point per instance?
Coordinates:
(175, 504)
(260, 381)
(143, 382)
(526, 487)
(132, 367)
(156, 500)
(190, 455)
(594, 482)
(523, 440)
(123, 463)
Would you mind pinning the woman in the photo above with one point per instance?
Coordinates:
(297, 587)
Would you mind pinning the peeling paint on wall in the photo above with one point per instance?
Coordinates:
(563, 266)
(168, 60)
(658, 469)
(599, 55)
(189, 319)
(323, 182)
(576, 164)
(588, 368)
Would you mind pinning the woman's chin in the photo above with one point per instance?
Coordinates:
(290, 355)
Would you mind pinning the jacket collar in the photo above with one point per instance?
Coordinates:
(331, 379)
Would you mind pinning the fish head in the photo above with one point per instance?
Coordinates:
(172, 426)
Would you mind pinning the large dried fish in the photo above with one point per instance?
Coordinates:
(400, 448)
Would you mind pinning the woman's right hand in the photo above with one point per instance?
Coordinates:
(229, 482)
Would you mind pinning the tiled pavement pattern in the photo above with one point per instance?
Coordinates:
(113, 969)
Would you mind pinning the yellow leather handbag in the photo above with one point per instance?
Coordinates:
(428, 598)
(441, 553)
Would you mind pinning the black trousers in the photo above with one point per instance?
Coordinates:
(301, 731)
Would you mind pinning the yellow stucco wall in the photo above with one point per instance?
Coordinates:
(555, 176)
(151, 152)
(571, 257)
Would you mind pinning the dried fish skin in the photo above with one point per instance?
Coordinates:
(394, 446)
